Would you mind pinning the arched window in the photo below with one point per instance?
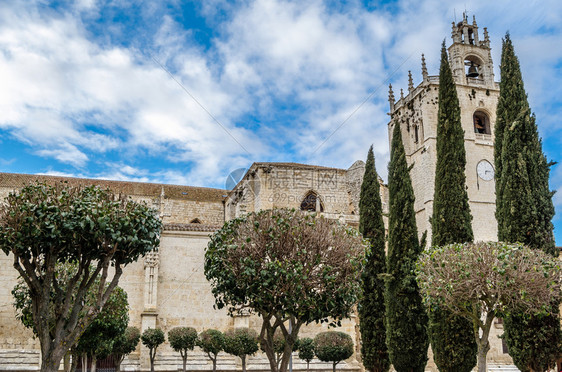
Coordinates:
(195, 220)
(311, 203)
(472, 67)
(481, 123)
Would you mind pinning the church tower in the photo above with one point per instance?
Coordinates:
(416, 113)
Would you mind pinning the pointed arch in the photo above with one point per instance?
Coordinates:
(195, 220)
(312, 202)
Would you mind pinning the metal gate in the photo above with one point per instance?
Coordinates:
(102, 365)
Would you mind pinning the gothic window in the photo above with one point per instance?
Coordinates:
(416, 134)
(311, 203)
(481, 123)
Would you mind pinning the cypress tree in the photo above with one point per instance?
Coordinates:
(452, 336)
(371, 310)
(524, 208)
(406, 320)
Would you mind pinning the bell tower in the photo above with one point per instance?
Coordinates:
(416, 108)
(470, 57)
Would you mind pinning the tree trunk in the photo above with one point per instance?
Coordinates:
(84, 363)
(307, 366)
(184, 357)
(118, 362)
(152, 355)
(483, 347)
(243, 357)
(214, 365)
(334, 367)
(94, 361)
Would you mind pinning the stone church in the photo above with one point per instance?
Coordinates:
(168, 288)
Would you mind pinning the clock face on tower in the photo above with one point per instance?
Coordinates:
(485, 170)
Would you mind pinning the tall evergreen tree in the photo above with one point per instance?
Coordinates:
(524, 207)
(406, 320)
(372, 309)
(452, 336)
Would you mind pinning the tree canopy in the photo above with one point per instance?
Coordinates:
(287, 266)
(483, 280)
(333, 346)
(43, 226)
(152, 338)
(181, 340)
(211, 342)
(241, 342)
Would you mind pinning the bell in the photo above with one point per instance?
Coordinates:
(472, 71)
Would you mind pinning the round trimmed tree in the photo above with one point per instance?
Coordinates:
(211, 342)
(181, 340)
(241, 342)
(152, 338)
(333, 347)
(289, 267)
(306, 350)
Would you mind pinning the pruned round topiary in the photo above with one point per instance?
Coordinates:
(182, 339)
(306, 350)
(152, 338)
(241, 342)
(333, 346)
(211, 342)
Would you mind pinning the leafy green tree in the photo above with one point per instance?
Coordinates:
(451, 335)
(152, 338)
(97, 340)
(406, 320)
(524, 209)
(290, 267)
(371, 307)
(181, 340)
(43, 226)
(125, 344)
(241, 342)
(333, 346)
(306, 350)
(480, 281)
(211, 342)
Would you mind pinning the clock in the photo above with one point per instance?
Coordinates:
(485, 170)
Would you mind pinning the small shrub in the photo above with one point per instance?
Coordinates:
(152, 338)
(241, 342)
(211, 342)
(182, 339)
(333, 347)
(306, 350)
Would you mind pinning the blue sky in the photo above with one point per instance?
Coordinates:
(186, 91)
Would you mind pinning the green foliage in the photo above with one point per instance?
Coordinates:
(371, 307)
(524, 208)
(111, 322)
(182, 338)
(241, 342)
(285, 264)
(43, 226)
(405, 315)
(481, 280)
(211, 342)
(333, 347)
(306, 349)
(126, 343)
(152, 338)
(452, 340)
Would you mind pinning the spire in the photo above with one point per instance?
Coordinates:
(424, 69)
(391, 97)
(401, 93)
(474, 21)
(486, 37)
(410, 82)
